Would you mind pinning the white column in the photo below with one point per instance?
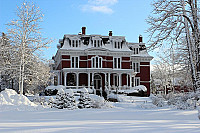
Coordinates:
(77, 80)
(133, 81)
(120, 80)
(109, 81)
(93, 78)
(105, 78)
(58, 78)
(127, 80)
(65, 79)
(130, 80)
(88, 80)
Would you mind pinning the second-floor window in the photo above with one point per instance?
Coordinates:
(135, 50)
(74, 62)
(117, 62)
(136, 66)
(97, 62)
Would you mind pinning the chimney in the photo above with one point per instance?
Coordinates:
(83, 30)
(110, 33)
(140, 39)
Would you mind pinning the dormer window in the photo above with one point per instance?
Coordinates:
(135, 50)
(74, 43)
(117, 45)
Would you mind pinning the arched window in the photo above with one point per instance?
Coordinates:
(97, 62)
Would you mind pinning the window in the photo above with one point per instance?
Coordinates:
(97, 62)
(136, 67)
(74, 62)
(117, 63)
(115, 44)
(73, 45)
(115, 80)
(135, 50)
(137, 81)
(95, 45)
(76, 43)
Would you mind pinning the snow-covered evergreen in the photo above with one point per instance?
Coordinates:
(84, 101)
(65, 99)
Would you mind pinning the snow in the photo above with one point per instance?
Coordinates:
(10, 97)
(132, 114)
(135, 89)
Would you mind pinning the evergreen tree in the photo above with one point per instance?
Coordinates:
(65, 100)
(85, 100)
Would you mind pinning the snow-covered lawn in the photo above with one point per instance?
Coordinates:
(125, 117)
(132, 114)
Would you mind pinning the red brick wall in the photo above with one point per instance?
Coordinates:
(144, 73)
(124, 81)
(83, 64)
(147, 86)
(65, 57)
(65, 64)
(83, 57)
(83, 79)
(109, 64)
(144, 63)
(125, 65)
(126, 58)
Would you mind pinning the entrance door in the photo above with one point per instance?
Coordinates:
(98, 83)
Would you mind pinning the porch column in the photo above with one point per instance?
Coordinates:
(127, 80)
(106, 80)
(65, 79)
(134, 81)
(77, 80)
(109, 81)
(58, 78)
(120, 81)
(88, 80)
(93, 78)
(130, 80)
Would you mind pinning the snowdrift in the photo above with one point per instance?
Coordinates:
(10, 97)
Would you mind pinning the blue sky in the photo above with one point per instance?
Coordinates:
(123, 17)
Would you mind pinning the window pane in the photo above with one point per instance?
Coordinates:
(76, 43)
(97, 62)
(72, 62)
(134, 66)
(115, 62)
(76, 62)
(119, 62)
(100, 63)
(93, 62)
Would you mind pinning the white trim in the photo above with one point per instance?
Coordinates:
(74, 61)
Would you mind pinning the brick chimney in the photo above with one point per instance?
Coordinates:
(110, 33)
(83, 30)
(140, 39)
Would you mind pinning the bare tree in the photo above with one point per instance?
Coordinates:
(173, 19)
(25, 35)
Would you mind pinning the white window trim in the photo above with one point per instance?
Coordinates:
(135, 66)
(117, 62)
(137, 78)
(74, 61)
(99, 66)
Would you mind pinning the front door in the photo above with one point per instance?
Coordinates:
(98, 83)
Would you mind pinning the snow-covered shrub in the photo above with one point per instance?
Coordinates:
(39, 99)
(84, 100)
(100, 102)
(157, 100)
(51, 102)
(65, 99)
(182, 101)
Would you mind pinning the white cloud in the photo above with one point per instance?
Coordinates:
(103, 2)
(102, 6)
